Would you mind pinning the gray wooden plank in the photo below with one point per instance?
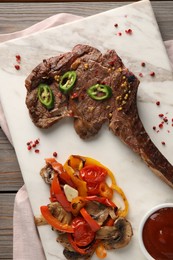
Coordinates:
(10, 174)
(6, 225)
(26, 14)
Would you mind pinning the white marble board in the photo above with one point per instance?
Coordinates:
(142, 187)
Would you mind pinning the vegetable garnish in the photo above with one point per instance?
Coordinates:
(54, 222)
(92, 223)
(58, 195)
(101, 251)
(46, 96)
(83, 234)
(81, 190)
(99, 92)
(67, 81)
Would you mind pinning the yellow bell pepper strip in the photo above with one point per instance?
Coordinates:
(76, 162)
(57, 192)
(54, 222)
(76, 205)
(101, 251)
(102, 200)
(80, 184)
(105, 190)
(121, 213)
(91, 222)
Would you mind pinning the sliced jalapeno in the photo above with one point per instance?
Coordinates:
(67, 81)
(45, 96)
(99, 92)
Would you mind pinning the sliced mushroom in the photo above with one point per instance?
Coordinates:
(58, 212)
(47, 173)
(99, 212)
(71, 255)
(63, 240)
(40, 221)
(107, 232)
(125, 233)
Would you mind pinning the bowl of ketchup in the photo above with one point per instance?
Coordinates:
(156, 233)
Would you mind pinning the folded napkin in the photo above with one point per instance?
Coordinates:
(26, 242)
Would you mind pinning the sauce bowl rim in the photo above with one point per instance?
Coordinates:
(142, 222)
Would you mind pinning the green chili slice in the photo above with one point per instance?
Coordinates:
(67, 81)
(46, 96)
(99, 92)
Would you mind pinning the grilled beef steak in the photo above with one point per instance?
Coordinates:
(119, 110)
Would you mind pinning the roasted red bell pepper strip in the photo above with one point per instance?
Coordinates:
(65, 178)
(110, 222)
(57, 192)
(102, 200)
(91, 222)
(50, 160)
(75, 246)
(54, 222)
(58, 167)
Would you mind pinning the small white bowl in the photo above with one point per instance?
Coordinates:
(142, 223)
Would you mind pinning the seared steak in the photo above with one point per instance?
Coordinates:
(119, 110)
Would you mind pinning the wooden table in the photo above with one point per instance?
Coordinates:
(18, 16)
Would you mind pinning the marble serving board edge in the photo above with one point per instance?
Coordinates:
(145, 44)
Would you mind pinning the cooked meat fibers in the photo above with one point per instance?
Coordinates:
(119, 111)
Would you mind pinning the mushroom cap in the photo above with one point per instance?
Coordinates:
(125, 233)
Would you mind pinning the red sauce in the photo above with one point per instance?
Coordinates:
(158, 234)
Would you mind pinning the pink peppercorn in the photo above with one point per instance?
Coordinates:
(140, 74)
(129, 31)
(18, 58)
(29, 147)
(152, 74)
(17, 67)
(161, 115)
(55, 154)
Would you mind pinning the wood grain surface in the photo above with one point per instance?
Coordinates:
(18, 16)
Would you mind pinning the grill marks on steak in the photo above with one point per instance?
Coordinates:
(119, 111)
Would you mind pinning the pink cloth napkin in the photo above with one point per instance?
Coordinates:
(26, 242)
